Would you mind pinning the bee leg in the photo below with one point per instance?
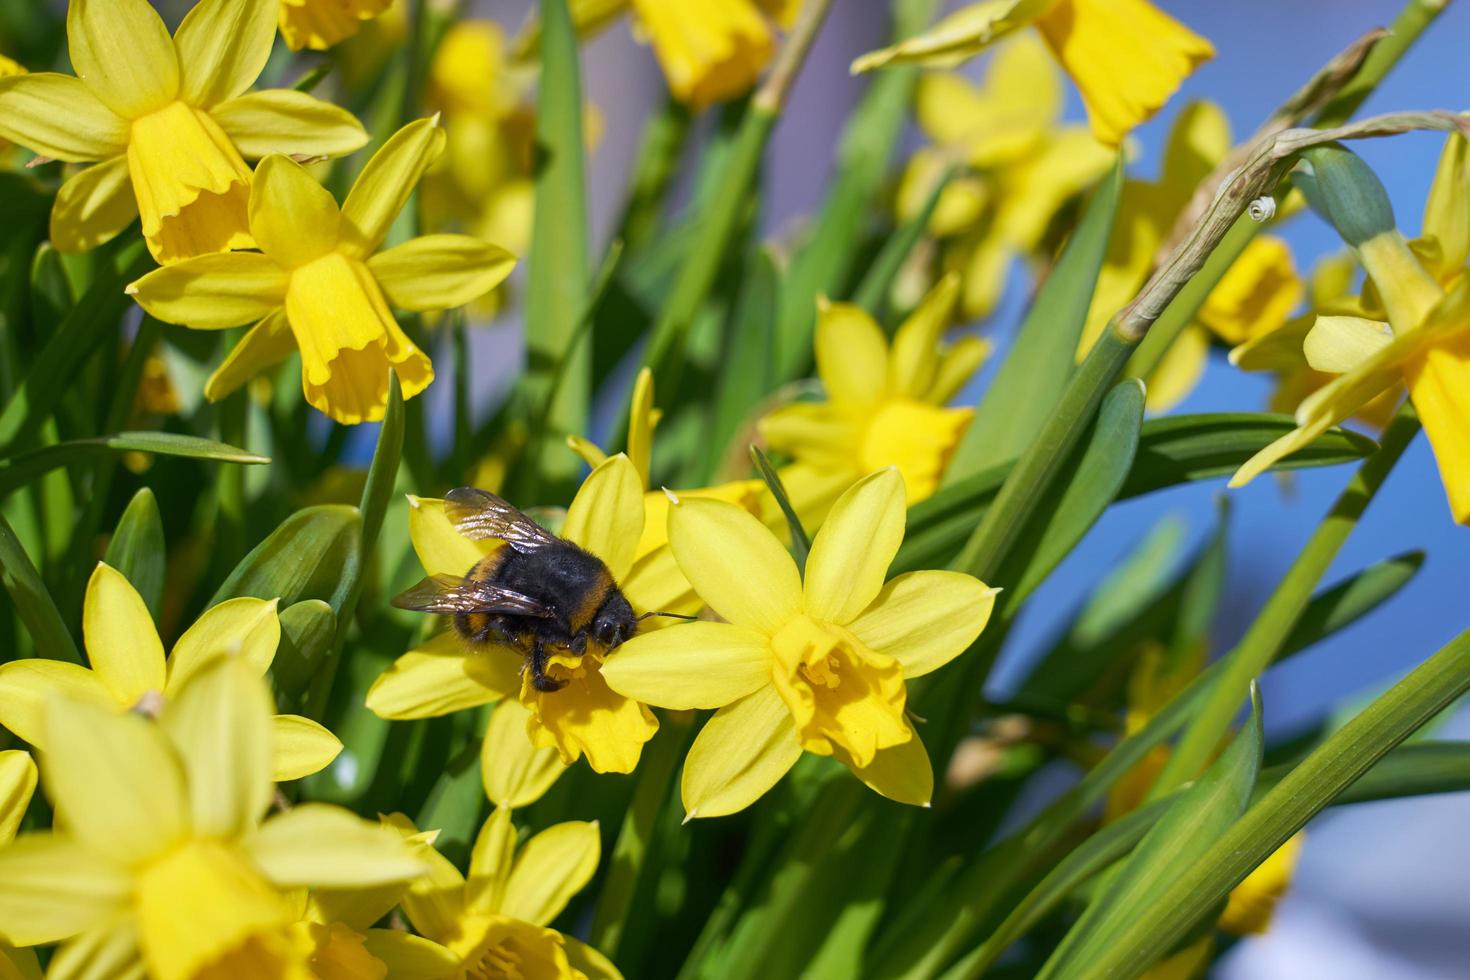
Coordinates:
(540, 680)
(578, 644)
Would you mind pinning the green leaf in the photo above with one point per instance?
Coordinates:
(1154, 928)
(383, 472)
(1171, 450)
(24, 467)
(1193, 821)
(1076, 505)
(137, 549)
(314, 554)
(872, 295)
(801, 545)
(308, 631)
(79, 335)
(1351, 599)
(34, 604)
(747, 375)
(1029, 384)
(558, 273)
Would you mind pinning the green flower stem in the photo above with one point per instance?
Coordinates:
(1323, 776)
(617, 903)
(1270, 630)
(728, 204)
(659, 152)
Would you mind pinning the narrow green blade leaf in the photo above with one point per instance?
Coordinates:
(1194, 821)
(314, 554)
(308, 629)
(801, 545)
(137, 549)
(747, 376)
(1351, 599)
(34, 604)
(872, 295)
(1153, 929)
(558, 266)
(383, 472)
(25, 467)
(1030, 381)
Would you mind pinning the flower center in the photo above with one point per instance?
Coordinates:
(509, 949)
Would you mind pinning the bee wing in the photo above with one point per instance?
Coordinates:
(446, 595)
(478, 515)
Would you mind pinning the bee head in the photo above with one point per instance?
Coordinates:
(614, 622)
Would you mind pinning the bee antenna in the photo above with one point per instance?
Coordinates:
(668, 614)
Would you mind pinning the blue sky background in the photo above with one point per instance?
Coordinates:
(1382, 890)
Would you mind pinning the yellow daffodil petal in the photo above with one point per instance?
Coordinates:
(264, 345)
(441, 549)
(1280, 350)
(408, 957)
(1338, 344)
(656, 583)
(245, 628)
(515, 772)
(385, 184)
(815, 432)
(212, 292)
(813, 488)
(439, 272)
(917, 438)
(961, 203)
(590, 452)
(52, 888)
(321, 24)
(300, 747)
(851, 352)
(551, 867)
(57, 116)
(901, 772)
(27, 686)
(108, 949)
(692, 665)
(17, 784)
(735, 564)
(1439, 384)
(290, 122)
(710, 50)
(1447, 210)
(121, 641)
(925, 619)
(1070, 162)
(200, 903)
(959, 36)
(957, 365)
(442, 677)
(490, 861)
(588, 961)
(1257, 293)
(1179, 370)
(122, 50)
(606, 516)
(435, 902)
(851, 553)
(93, 207)
(223, 46)
(292, 217)
(587, 717)
(220, 724)
(117, 780)
(914, 360)
(192, 187)
(22, 964)
(1126, 56)
(349, 341)
(740, 753)
(640, 425)
(326, 846)
(983, 266)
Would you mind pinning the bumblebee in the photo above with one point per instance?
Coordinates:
(538, 594)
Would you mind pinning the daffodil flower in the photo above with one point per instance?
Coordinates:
(320, 24)
(1024, 166)
(17, 784)
(322, 285)
(655, 575)
(166, 857)
(1256, 296)
(495, 918)
(710, 50)
(586, 717)
(169, 123)
(1125, 56)
(886, 404)
(130, 673)
(817, 665)
(1425, 343)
